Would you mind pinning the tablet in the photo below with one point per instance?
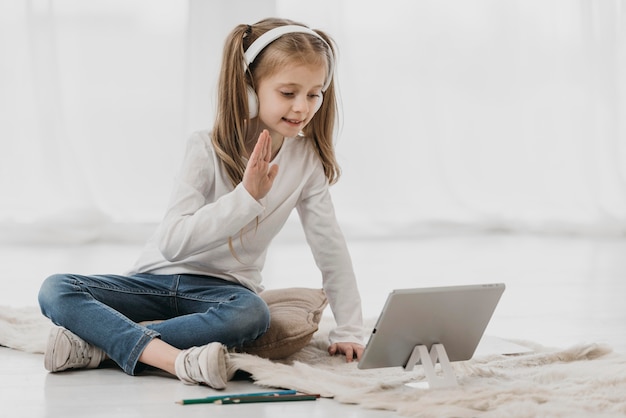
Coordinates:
(455, 316)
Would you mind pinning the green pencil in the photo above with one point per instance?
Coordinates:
(212, 399)
(257, 399)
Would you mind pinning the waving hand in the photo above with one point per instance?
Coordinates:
(259, 175)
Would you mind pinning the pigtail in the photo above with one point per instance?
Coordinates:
(321, 128)
(232, 106)
(229, 130)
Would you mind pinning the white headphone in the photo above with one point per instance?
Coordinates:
(263, 41)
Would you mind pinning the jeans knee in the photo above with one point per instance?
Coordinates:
(256, 316)
(51, 291)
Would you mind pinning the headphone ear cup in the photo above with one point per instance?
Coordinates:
(253, 103)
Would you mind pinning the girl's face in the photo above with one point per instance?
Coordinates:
(288, 98)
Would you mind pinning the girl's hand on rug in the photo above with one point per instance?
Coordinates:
(351, 350)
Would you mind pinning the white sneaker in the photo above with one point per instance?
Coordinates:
(208, 364)
(66, 350)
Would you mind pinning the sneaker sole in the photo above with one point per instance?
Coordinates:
(219, 377)
(48, 360)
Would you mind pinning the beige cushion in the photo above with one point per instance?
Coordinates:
(295, 314)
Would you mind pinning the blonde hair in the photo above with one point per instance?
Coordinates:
(232, 117)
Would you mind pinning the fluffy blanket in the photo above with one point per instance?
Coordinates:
(581, 381)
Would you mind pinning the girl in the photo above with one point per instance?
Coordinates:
(270, 150)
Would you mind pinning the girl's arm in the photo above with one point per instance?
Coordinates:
(204, 210)
(333, 259)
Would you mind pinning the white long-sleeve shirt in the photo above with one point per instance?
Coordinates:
(205, 211)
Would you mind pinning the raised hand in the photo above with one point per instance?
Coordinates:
(259, 175)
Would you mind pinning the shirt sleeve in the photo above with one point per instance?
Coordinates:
(200, 217)
(331, 255)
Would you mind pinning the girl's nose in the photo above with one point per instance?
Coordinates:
(301, 104)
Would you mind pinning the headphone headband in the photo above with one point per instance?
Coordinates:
(271, 35)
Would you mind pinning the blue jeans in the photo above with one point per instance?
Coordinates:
(195, 310)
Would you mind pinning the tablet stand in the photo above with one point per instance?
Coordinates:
(429, 360)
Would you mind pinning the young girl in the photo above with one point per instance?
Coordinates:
(270, 150)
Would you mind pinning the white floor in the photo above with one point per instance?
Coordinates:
(560, 291)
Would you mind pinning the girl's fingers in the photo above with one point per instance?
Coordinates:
(268, 147)
(260, 151)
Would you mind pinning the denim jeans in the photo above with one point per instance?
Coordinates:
(194, 310)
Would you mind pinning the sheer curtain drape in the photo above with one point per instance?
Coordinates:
(457, 115)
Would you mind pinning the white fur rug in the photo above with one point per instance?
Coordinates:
(582, 381)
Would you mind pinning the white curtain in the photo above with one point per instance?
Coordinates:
(456, 115)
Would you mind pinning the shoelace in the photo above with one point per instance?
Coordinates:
(80, 352)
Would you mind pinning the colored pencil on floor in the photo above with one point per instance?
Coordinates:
(213, 399)
(258, 399)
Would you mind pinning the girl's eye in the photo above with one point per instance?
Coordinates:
(286, 93)
(314, 96)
